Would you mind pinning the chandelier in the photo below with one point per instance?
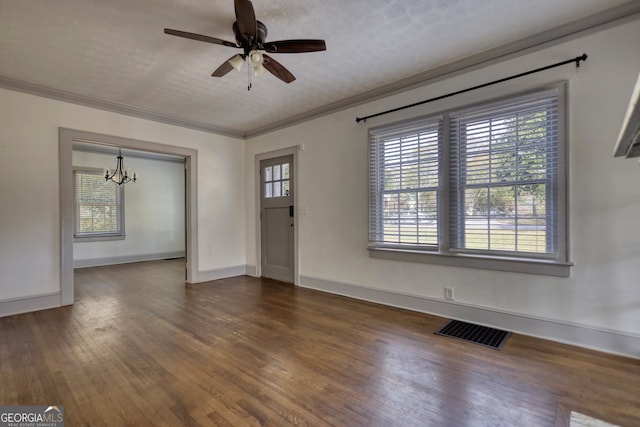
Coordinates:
(120, 175)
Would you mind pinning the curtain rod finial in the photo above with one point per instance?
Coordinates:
(580, 58)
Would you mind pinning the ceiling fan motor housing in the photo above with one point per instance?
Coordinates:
(247, 42)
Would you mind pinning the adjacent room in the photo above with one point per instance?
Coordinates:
(149, 226)
(238, 213)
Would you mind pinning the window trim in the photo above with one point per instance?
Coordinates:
(559, 265)
(486, 262)
(96, 237)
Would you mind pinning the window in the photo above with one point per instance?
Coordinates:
(405, 185)
(482, 186)
(98, 206)
(276, 181)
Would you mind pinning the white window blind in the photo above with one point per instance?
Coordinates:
(98, 205)
(404, 169)
(504, 171)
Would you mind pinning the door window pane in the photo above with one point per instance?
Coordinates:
(277, 181)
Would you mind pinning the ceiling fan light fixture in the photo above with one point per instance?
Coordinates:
(236, 62)
(258, 70)
(256, 58)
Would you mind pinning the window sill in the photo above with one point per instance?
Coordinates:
(517, 265)
(83, 239)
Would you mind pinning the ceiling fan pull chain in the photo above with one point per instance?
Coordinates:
(249, 76)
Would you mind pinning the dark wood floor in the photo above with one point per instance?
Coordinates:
(140, 348)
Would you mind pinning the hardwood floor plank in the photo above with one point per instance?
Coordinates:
(139, 347)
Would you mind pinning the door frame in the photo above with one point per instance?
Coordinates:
(258, 207)
(66, 139)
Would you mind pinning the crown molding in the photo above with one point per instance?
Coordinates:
(114, 107)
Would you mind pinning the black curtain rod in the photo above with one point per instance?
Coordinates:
(575, 60)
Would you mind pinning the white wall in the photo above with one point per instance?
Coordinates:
(603, 292)
(29, 188)
(154, 210)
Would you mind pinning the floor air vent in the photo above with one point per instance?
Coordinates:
(490, 337)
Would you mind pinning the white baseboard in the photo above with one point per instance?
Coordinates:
(251, 270)
(221, 273)
(609, 341)
(28, 304)
(97, 262)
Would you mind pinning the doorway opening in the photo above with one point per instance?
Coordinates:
(69, 137)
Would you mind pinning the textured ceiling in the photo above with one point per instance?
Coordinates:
(116, 51)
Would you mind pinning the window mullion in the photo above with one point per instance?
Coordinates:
(444, 195)
(379, 168)
(517, 183)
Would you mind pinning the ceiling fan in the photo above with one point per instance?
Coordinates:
(250, 37)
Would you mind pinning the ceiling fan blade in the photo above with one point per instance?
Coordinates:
(198, 37)
(295, 46)
(278, 70)
(246, 18)
(223, 69)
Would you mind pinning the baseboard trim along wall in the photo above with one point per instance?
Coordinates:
(221, 273)
(29, 304)
(609, 341)
(97, 262)
(251, 270)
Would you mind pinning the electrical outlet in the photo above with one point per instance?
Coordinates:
(448, 293)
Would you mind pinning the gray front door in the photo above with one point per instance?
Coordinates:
(277, 218)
